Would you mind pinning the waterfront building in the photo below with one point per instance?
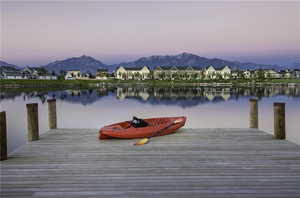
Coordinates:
(297, 73)
(73, 75)
(286, 74)
(247, 74)
(222, 73)
(137, 73)
(177, 72)
(37, 73)
(13, 75)
(102, 74)
(270, 73)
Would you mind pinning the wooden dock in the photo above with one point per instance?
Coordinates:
(72, 163)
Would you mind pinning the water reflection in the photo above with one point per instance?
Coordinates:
(205, 107)
(180, 96)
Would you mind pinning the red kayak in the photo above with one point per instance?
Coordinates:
(154, 127)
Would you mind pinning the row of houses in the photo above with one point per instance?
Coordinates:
(189, 73)
(28, 73)
(159, 73)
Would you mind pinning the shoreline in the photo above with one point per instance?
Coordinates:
(146, 83)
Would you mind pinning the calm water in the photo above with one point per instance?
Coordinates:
(204, 107)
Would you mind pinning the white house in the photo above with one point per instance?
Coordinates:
(269, 73)
(212, 73)
(47, 77)
(73, 75)
(247, 74)
(102, 74)
(13, 75)
(225, 72)
(287, 74)
(297, 73)
(37, 73)
(125, 73)
(177, 72)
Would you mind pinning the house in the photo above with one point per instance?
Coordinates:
(235, 74)
(164, 72)
(247, 74)
(222, 73)
(296, 73)
(85, 76)
(39, 73)
(73, 75)
(225, 72)
(139, 73)
(13, 75)
(286, 74)
(102, 74)
(177, 72)
(47, 77)
(270, 73)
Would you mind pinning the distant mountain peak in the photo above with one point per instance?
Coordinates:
(83, 63)
(189, 59)
(5, 64)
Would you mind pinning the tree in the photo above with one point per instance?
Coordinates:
(185, 75)
(175, 75)
(161, 75)
(124, 76)
(195, 76)
(260, 74)
(219, 76)
(227, 76)
(136, 76)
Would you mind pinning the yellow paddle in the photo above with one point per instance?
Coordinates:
(146, 140)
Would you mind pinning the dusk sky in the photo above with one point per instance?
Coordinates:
(36, 33)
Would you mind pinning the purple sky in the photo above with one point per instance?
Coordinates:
(40, 32)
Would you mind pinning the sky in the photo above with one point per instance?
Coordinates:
(39, 32)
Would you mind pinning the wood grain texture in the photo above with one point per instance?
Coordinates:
(3, 136)
(32, 121)
(191, 163)
(279, 120)
(253, 113)
(52, 115)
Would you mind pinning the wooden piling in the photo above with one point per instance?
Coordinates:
(33, 121)
(253, 113)
(3, 136)
(279, 120)
(52, 116)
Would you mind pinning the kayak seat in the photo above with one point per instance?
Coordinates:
(138, 123)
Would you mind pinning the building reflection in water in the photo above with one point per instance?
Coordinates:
(154, 95)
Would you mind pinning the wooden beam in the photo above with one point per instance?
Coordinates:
(279, 120)
(52, 116)
(3, 136)
(253, 113)
(33, 121)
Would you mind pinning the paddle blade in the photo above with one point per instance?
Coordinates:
(142, 141)
(177, 121)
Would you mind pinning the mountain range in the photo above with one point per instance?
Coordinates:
(83, 63)
(89, 64)
(7, 66)
(187, 59)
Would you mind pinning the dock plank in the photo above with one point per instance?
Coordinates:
(191, 163)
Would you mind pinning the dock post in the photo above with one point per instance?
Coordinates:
(33, 121)
(279, 120)
(253, 113)
(3, 136)
(52, 117)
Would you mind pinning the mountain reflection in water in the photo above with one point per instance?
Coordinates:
(182, 96)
